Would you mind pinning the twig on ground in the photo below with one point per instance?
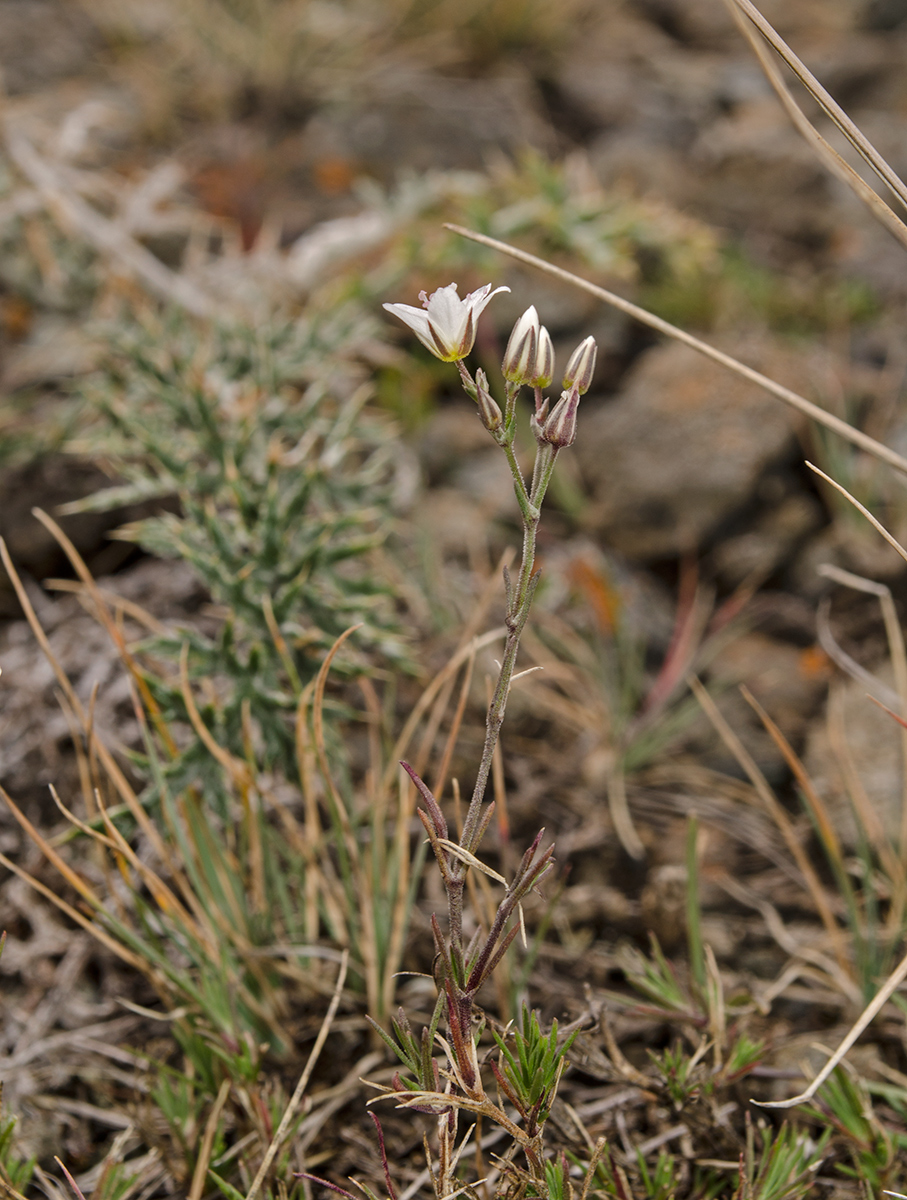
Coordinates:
(200, 1174)
(304, 1078)
(892, 983)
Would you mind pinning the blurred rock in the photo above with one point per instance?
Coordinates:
(668, 98)
(761, 550)
(681, 448)
(874, 742)
(472, 484)
(788, 681)
(451, 435)
(48, 482)
(753, 172)
(885, 14)
(422, 121)
(42, 41)
(849, 544)
(604, 591)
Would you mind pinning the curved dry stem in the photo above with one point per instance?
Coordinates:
(773, 807)
(826, 153)
(450, 668)
(873, 521)
(110, 625)
(320, 749)
(892, 983)
(296, 1098)
(800, 403)
(620, 812)
(854, 135)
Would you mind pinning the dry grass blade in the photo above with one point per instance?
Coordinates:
(69, 1179)
(235, 767)
(470, 859)
(449, 669)
(73, 878)
(817, 806)
(847, 663)
(164, 897)
(200, 1174)
(106, 618)
(71, 817)
(320, 748)
(863, 806)
(7, 1190)
(898, 652)
(619, 808)
(304, 1078)
(837, 114)
(440, 778)
(800, 403)
(825, 152)
(368, 942)
(892, 983)
(876, 524)
(781, 819)
(121, 603)
(116, 776)
(32, 617)
(798, 952)
(96, 932)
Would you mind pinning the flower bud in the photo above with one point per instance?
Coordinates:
(537, 420)
(560, 427)
(581, 366)
(519, 356)
(492, 417)
(543, 366)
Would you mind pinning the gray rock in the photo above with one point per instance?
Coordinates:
(786, 680)
(761, 550)
(873, 741)
(421, 120)
(41, 42)
(681, 448)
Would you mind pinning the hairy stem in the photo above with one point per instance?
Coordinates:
(515, 620)
(519, 602)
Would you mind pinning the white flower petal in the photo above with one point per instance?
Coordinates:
(449, 317)
(417, 320)
(478, 299)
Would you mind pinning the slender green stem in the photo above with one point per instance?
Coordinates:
(512, 390)
(515, 620)
(528, 510)
(518, 606)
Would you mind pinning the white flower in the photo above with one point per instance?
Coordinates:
(446, 325)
